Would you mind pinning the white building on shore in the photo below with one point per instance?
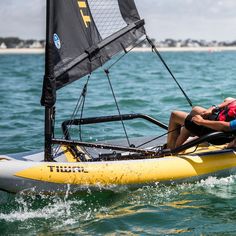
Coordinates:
(36, 44)
(3, 45)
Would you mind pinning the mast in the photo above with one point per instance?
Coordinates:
(49, 76)
(73, 52)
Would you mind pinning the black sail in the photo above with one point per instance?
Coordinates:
(84, 35)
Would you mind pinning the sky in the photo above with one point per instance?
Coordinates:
(176, 19)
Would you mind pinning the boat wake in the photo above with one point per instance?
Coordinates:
(85, 211)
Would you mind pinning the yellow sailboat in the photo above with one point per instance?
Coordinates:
(81, 37)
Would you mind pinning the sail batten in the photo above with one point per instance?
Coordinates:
(86, 34)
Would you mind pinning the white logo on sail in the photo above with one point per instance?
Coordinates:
(57, 41)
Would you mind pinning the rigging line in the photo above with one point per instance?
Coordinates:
(162, 135)
(126, 52)
(79, 103)
(82, 109)
(166, 66)
(67, 131)
(117, 106)
(77, 107)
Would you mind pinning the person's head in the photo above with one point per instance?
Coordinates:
(228, 99)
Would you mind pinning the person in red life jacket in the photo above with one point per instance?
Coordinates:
(201, 121)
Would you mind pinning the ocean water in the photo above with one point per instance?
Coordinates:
(141, 85)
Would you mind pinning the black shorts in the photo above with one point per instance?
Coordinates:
(195, 129)
(200, 130)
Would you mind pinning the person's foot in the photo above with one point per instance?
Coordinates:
(232, 144)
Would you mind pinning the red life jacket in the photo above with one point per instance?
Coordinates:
(228, 113)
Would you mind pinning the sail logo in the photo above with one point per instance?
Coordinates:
(83, 7)
(57, 41)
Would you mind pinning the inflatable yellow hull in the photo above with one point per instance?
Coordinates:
(36, 176)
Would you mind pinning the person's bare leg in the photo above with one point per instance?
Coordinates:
(183, 136)
(184, 133)
(176, 121)
(176, 135)
(232, 144)
(197, 110)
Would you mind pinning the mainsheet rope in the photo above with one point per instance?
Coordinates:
(117, 106)
(107, 71)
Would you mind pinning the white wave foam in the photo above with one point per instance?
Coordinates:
(58, 209)
(214, 181)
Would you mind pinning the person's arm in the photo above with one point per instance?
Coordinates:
(216, 125)
(210, 110)
(223, 104)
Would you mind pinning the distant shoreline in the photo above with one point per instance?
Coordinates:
(188, 49)
(22, 51)
(166, 49)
